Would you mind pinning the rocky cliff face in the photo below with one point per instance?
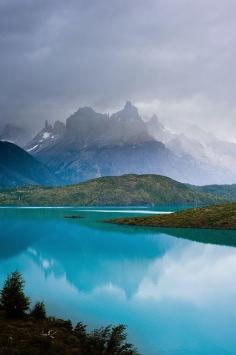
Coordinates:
(92, 144)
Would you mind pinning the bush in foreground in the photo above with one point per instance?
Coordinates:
(13, 300)
(34, 333)
(39, 311)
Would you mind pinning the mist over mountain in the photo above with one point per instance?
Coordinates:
(203, 146)
(93, 144)
(15, 134)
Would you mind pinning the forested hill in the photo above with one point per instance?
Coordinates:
(142, 190)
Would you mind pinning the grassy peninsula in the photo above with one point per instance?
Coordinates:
(216, 217)
(125, 190)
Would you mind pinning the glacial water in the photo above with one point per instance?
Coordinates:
(175, 289)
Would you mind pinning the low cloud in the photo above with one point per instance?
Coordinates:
(59, 55)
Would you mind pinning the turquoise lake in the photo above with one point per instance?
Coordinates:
(175, 289)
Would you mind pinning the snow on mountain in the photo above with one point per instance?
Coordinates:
(46, 137)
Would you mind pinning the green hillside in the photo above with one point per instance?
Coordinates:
(111, 191)
(18, 168)
(226, 191)
(217, 217)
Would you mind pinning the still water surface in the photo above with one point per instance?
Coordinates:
(175, 289)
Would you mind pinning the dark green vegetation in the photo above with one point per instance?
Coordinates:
(34, 333)
(39, 311)
(226, 191)
(13, 300)
(17, 168)
(217, 217)
(111, 191)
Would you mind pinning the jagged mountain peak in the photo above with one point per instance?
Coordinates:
(86, 110)
(83, 114)
(128, 113)
(47, 126)
(154, 120)
(130, 107)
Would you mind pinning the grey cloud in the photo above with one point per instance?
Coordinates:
(58, 55)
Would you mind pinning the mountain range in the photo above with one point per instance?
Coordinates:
(216, 157)
(92, 144)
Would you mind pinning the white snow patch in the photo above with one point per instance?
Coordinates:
(7, 140)
(46, 135)
(29, 150)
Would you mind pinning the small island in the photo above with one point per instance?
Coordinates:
(215, 217)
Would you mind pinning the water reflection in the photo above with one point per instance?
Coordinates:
(173, 293)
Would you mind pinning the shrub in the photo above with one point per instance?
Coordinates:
(39, 311)
(81, 334)
(61, 323)
(13, 300)
(110, 340)
(80, 330)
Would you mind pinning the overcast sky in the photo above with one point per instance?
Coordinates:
(173, 57)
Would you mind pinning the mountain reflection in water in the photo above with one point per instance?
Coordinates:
(173, 293)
